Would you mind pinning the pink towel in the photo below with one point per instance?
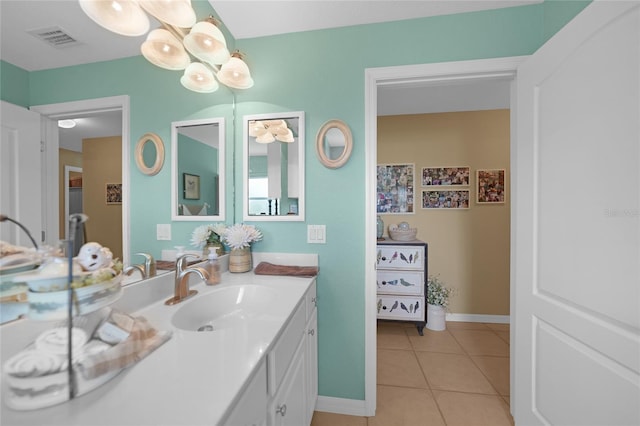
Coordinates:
(266, 268)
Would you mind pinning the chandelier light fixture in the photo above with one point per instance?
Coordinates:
(267, 131)
(180, 38)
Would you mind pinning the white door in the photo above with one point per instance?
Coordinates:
(20, 177)
(577, 224)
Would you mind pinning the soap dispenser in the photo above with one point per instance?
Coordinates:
(213, 268)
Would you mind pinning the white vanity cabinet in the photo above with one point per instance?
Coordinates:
(284, 390)
(401, 279)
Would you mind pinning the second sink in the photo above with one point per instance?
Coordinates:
(225, 308)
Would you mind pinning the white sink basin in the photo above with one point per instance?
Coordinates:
(225, 308)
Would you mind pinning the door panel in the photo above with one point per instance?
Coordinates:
(577, 198)
(20, 183)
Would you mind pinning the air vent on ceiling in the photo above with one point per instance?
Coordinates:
(54, 36)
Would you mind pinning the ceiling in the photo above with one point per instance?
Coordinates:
(20, 20)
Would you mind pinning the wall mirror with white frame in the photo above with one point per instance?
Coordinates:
(198, 170)
(273, 167)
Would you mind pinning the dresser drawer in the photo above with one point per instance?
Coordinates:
(401, 307)
(400, 257)
(400, 282)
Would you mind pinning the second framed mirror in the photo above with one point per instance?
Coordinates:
(273, 167)
(197, 170)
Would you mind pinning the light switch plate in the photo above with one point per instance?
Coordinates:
(316, 234)
(163, 231)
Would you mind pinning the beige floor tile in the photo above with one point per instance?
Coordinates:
(497, 327)
(481, 342)
(399, 368)
(436, 341)
(405, 407)
(453, 372)
(459, 325)
(330, 419)
(504, 335)
(393, 340)
(464, 409)
(496, 370)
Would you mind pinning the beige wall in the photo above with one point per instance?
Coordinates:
(65, 158)
(468, 249)
(102, 164)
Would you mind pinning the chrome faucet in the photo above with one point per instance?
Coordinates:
(182, 291)
(147, 270)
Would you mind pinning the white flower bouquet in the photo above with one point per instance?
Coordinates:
(240, 235)
(207, 234)
(437, 293)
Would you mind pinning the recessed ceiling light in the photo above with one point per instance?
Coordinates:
(67, 124)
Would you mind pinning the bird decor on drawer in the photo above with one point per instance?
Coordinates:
(415, 258)
(406, 283)
(416, 308)
(403, 257)
(395, 305)
(379, 305)
(394, 257)
(392, 282)
(404, 307)
(411, 258)
(410, 309)
(379, 256)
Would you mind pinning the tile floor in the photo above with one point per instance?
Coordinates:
(456, 377)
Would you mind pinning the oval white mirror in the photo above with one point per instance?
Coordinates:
(334, 144)
(149, 154)
(198, 170)
(273, 164)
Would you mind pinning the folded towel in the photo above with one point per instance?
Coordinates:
(266, 268)
(142, 339)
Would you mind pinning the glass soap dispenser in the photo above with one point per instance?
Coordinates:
(213, 268)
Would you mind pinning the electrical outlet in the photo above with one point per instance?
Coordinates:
(163, 231)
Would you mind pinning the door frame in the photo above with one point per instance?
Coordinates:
(428, 74)
(67, 170)
(50, 136)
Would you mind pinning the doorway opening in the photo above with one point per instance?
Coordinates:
(427, 75)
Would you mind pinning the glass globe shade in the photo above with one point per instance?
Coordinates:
(206, 42)
(122, 17)
(199, 78)
(164, 50)
(235, 74)
(178, 13)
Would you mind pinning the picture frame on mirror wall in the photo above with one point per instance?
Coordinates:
(490, 186)
(445, 199)
(445, 176)
(191, 185)
(113, 193)
(395, 188)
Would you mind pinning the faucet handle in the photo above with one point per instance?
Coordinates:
(149, 264)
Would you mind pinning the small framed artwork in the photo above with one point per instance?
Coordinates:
(395, 188)
(191, 186)
(490, 186)
(114, 193)
(445, 199)
(445, 176)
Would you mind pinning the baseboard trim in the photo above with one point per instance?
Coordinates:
(351, 407)
(499, 319)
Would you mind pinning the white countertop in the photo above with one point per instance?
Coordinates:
(193, 379)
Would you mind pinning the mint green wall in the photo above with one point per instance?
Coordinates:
(196, 158)
(557, 13)
(14, 84)
(322, 74)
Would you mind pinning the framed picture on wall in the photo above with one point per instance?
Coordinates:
(395, 186)
(490, 186)
(191, 186)
(445, 199)
(113, 193)
(445, 176)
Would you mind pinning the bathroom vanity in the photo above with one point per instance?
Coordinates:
(401, 279)
(257, 366)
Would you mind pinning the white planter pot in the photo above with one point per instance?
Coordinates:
(436, 318)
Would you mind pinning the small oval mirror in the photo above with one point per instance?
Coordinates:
(149, 154)
(334, 144)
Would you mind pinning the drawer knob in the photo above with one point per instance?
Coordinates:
(282, 410)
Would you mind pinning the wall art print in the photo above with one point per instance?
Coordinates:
(490, 186)
(113, 193)
(395, 188)
(454, 176)
(445, 199)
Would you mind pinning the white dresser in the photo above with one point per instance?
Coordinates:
(401, 279)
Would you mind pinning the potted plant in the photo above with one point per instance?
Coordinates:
(239, 238)
(437, 302)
